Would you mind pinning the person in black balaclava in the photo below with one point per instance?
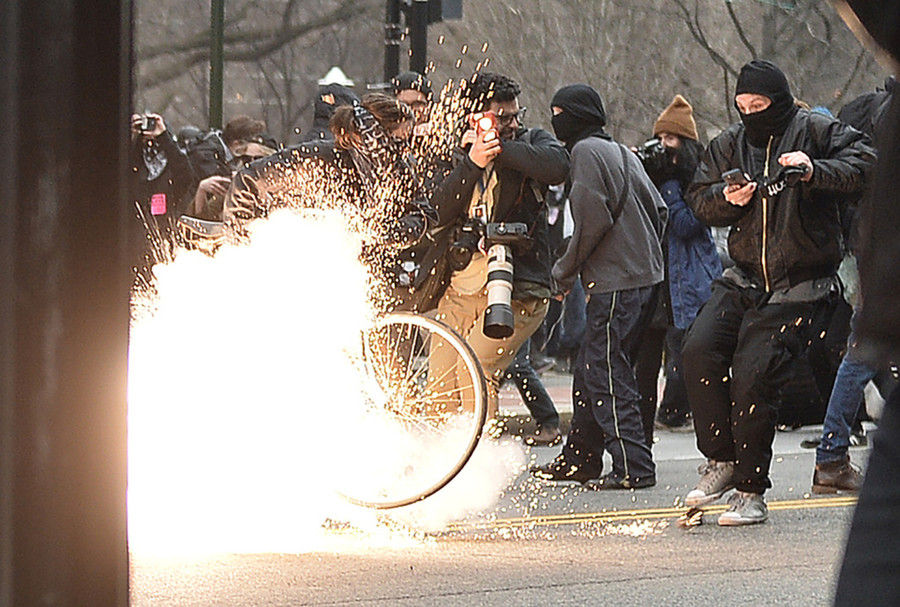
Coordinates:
(582, 114)
(615, 251)
(762, 79)
(753, 335)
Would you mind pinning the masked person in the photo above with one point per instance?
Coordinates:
(615, 248)
(364, 172)
(763, 311)
(497, 175)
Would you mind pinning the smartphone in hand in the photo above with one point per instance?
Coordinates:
(735, 177)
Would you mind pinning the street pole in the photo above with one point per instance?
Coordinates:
(418, 36)
(216, 61)
(392, 36)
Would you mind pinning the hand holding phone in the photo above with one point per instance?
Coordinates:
(738, 187)
(735, 177)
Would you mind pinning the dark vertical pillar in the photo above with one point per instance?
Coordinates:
(65, 81)
(392, 36)
(216, 62)
(418, 36)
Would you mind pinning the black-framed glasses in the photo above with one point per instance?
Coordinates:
(506, 119)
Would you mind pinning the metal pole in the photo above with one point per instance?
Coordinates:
(216, 61)
(64, 287)
(392, 36)
(418, 36)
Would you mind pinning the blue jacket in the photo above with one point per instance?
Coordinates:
(693, 260)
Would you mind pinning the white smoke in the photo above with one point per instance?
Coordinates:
(245, 406)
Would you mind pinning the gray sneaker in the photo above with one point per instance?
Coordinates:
(715, 479)
(744, 509)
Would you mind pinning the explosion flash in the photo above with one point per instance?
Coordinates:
(247, 408)
(252, 403)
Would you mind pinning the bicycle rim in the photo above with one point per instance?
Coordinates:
(431, 384)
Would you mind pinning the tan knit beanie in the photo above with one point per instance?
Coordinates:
(677, 119)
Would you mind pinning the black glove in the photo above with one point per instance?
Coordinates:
(787, 177)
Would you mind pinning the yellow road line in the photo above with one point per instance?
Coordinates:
(644, 513)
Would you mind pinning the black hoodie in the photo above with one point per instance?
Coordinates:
(582, 116)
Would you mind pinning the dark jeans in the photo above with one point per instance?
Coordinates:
(531, 389)
(869, 573)
(605, 396)
(646, 370)
(734, 352)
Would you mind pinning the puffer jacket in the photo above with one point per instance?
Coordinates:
(782, 240)
(693, 262)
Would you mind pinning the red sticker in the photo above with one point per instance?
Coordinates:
(158, 204)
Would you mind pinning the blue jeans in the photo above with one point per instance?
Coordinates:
(531, 389)
(843, 405)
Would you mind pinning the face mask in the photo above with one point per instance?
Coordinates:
(771, 122)
(566, 126)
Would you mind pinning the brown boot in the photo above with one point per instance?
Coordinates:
(837, 477)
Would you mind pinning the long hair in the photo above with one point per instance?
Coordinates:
(686, 157)
(387, 111)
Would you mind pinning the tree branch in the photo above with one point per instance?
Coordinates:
(693, 25)
(272, 41)
(740, 30)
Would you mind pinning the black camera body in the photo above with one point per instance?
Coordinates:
(465, 244)
(148, 123)
(650, 151)
(510, 234)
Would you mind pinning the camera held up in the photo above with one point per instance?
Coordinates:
(656, 160)
(148, 123)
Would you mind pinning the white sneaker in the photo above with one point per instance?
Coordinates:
(715, 479)
(745, 509)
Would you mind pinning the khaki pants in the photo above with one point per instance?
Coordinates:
(465, 315)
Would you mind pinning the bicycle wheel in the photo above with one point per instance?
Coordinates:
(427, 399)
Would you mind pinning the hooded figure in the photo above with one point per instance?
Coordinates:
(329, 98)
(762, 77)
(582, 114)
(615, 252)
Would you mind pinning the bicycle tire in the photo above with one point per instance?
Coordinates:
(478, 388)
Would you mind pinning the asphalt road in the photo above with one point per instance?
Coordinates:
(554, 544)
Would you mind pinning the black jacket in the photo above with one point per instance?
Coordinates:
(525, 168)
(779, 241)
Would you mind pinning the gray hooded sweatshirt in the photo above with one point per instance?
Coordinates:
(611, 256)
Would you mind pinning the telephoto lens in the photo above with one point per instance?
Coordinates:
(498, 318)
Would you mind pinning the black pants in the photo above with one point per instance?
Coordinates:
(869, 572)
(735, 353)
(605, 397)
